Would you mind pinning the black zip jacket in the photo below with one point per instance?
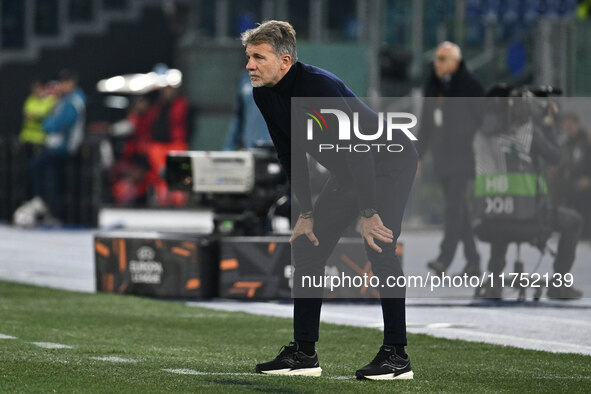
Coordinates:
(304, 80)
(451, 144)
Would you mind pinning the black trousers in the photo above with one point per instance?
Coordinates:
(457, 221)
(334, 210)
(579, 200)
(47, 177)
(563, 220)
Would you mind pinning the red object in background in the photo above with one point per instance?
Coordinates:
(177, 118)
(157, 151)
(142, 143)
(138, 144)
(99, 127)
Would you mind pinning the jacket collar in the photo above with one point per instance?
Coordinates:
(459, 73)
(285, 85)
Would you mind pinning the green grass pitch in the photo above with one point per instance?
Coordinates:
(153, 336)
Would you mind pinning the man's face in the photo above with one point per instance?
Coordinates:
(67, 86)
(445, 63)
(264, 66)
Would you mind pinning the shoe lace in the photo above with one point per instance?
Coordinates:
(288, 349)
(382, 355)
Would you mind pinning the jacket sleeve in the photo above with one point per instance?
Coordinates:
(294, 161)
(362, 169)
(300, 178)
(61, 120)
(361, 166)
(544, 145)
(288, 153)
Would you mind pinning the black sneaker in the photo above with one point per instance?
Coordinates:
(488, 291)
(291, 361)
(386, 365)
(563, 293)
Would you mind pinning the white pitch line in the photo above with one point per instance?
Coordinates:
(115, 359)
(184, 371)
(193, 372)
(510, 340)
(261, 308)
(2, 336)
(552, 319)
(450, 325)
(50, 345)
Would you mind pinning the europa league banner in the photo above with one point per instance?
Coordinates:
(156, 264)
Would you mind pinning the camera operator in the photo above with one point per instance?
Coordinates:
(571, 180)
(448, 130)
(528, 117)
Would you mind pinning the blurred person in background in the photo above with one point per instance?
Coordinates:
(583, 9)
(449, 130)
(544, 150)
(35, 109)
(248, 127)
(573, 144)
(128, 175)
(580, 195)
(573, 174)
(64, 132)
(168, 120)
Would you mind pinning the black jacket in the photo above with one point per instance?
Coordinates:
(451, 142)
(275, 103)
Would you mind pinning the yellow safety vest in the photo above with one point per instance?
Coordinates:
(35, 110)
(583, 9)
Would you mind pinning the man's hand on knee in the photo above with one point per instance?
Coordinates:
(373, 228)
(305, 226)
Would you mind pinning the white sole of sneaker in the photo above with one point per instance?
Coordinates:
(296, 372)
(390, 376)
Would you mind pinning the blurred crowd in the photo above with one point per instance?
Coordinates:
(152, 128)
(133, 150)
(158, 122)
(53, 131)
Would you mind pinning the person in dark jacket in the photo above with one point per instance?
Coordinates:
(448, 128)
(571, 179)
(567, 222)
(369, 185)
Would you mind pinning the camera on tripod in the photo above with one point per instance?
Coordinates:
(243, 188)
(508, 107)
